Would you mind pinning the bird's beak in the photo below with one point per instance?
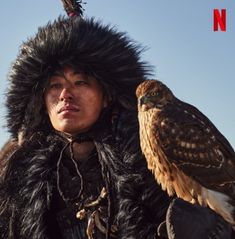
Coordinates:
(142, 100)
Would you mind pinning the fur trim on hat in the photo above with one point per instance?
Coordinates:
(100, 51)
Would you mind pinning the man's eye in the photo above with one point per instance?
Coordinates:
(80, 82)
(55, 86)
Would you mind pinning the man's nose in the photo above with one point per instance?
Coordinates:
(66, 94)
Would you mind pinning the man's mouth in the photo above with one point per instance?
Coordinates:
(69, 107)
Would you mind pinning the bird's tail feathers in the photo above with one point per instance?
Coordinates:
(221, 204)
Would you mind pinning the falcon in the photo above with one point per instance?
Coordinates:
(187, 154)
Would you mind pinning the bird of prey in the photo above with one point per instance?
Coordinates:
(187, 154)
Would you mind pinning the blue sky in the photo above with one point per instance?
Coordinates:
(197, 63)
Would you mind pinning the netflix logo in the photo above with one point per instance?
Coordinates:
(219, 17)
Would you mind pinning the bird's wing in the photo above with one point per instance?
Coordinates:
(191, 142)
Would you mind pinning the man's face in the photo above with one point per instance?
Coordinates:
(74, 101)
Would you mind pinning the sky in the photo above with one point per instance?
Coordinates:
(195, 62)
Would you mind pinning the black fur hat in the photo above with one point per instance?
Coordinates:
(101, 51)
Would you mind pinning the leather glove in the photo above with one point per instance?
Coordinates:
(187, 221)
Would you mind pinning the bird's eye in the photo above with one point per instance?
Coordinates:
(153, 93)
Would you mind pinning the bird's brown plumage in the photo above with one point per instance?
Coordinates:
(187, 154)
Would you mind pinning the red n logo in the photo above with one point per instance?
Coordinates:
(220, 20)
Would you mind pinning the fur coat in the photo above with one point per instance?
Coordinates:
(28, 186)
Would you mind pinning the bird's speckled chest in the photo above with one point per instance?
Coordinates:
(145, 119)
(146, 142)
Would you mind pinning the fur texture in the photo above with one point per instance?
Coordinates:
(110, 56)
(140, 205)
(5, 152)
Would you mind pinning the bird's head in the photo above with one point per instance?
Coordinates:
(153, 94)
